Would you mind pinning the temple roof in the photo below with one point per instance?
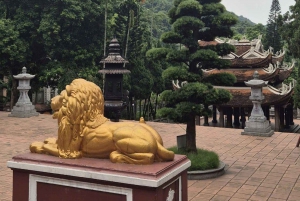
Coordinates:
(273, 96)
(246, 74)
(248, 53)
(273, 73)
(285, 72)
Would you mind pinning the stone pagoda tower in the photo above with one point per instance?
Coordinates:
(23, 107)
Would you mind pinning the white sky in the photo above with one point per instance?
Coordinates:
(255, 10)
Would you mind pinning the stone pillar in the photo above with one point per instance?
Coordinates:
(277, 118)
(221, 117)
(229, 117)
(236, 113)
(214, 115)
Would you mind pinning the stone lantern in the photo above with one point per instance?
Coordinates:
(257, 125)
(114, 68)
(23, 107)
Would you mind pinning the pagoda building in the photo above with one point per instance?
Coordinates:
(249, 57)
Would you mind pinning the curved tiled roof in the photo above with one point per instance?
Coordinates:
(251, 62)
(240, 96)
(246, 74)
(248, 53)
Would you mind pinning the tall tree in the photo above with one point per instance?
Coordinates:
(273, 38)
(194, 20)
(290, 32)
(62, 39)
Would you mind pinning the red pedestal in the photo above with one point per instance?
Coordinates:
(39, 177)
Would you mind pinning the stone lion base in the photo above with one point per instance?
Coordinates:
(39, 177)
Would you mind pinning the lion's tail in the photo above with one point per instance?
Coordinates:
(163, 154)
(142, 120)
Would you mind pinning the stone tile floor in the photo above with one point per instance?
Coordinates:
(257, 168)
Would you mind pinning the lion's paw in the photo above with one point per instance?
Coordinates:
(37, 147)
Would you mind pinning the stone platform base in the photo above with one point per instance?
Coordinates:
(23, 111)
(258, 127)
(39, 177)
(268, 134)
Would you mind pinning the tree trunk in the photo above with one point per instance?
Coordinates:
(105, 29)
(191, 134)
(140, 109)
(145, 108)
(155, 106)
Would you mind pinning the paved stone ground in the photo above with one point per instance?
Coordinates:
(257, 168)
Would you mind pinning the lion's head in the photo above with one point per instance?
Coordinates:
(79, 106)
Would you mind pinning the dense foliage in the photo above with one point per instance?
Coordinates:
(62, 40)
(289, 27)
(193, 20)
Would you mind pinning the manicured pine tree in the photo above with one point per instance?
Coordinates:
(273, 38)
(194, 20)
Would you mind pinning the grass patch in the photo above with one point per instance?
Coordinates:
(202, 160)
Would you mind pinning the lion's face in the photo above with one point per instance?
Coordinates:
(57, 102)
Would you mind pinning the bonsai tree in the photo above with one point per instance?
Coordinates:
(194, 20)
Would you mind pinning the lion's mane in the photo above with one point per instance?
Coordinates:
(80, 106)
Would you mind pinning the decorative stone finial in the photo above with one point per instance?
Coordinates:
(24, 70)
(255, 75)
(114, 47)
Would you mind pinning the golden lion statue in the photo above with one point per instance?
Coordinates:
(84, 131)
